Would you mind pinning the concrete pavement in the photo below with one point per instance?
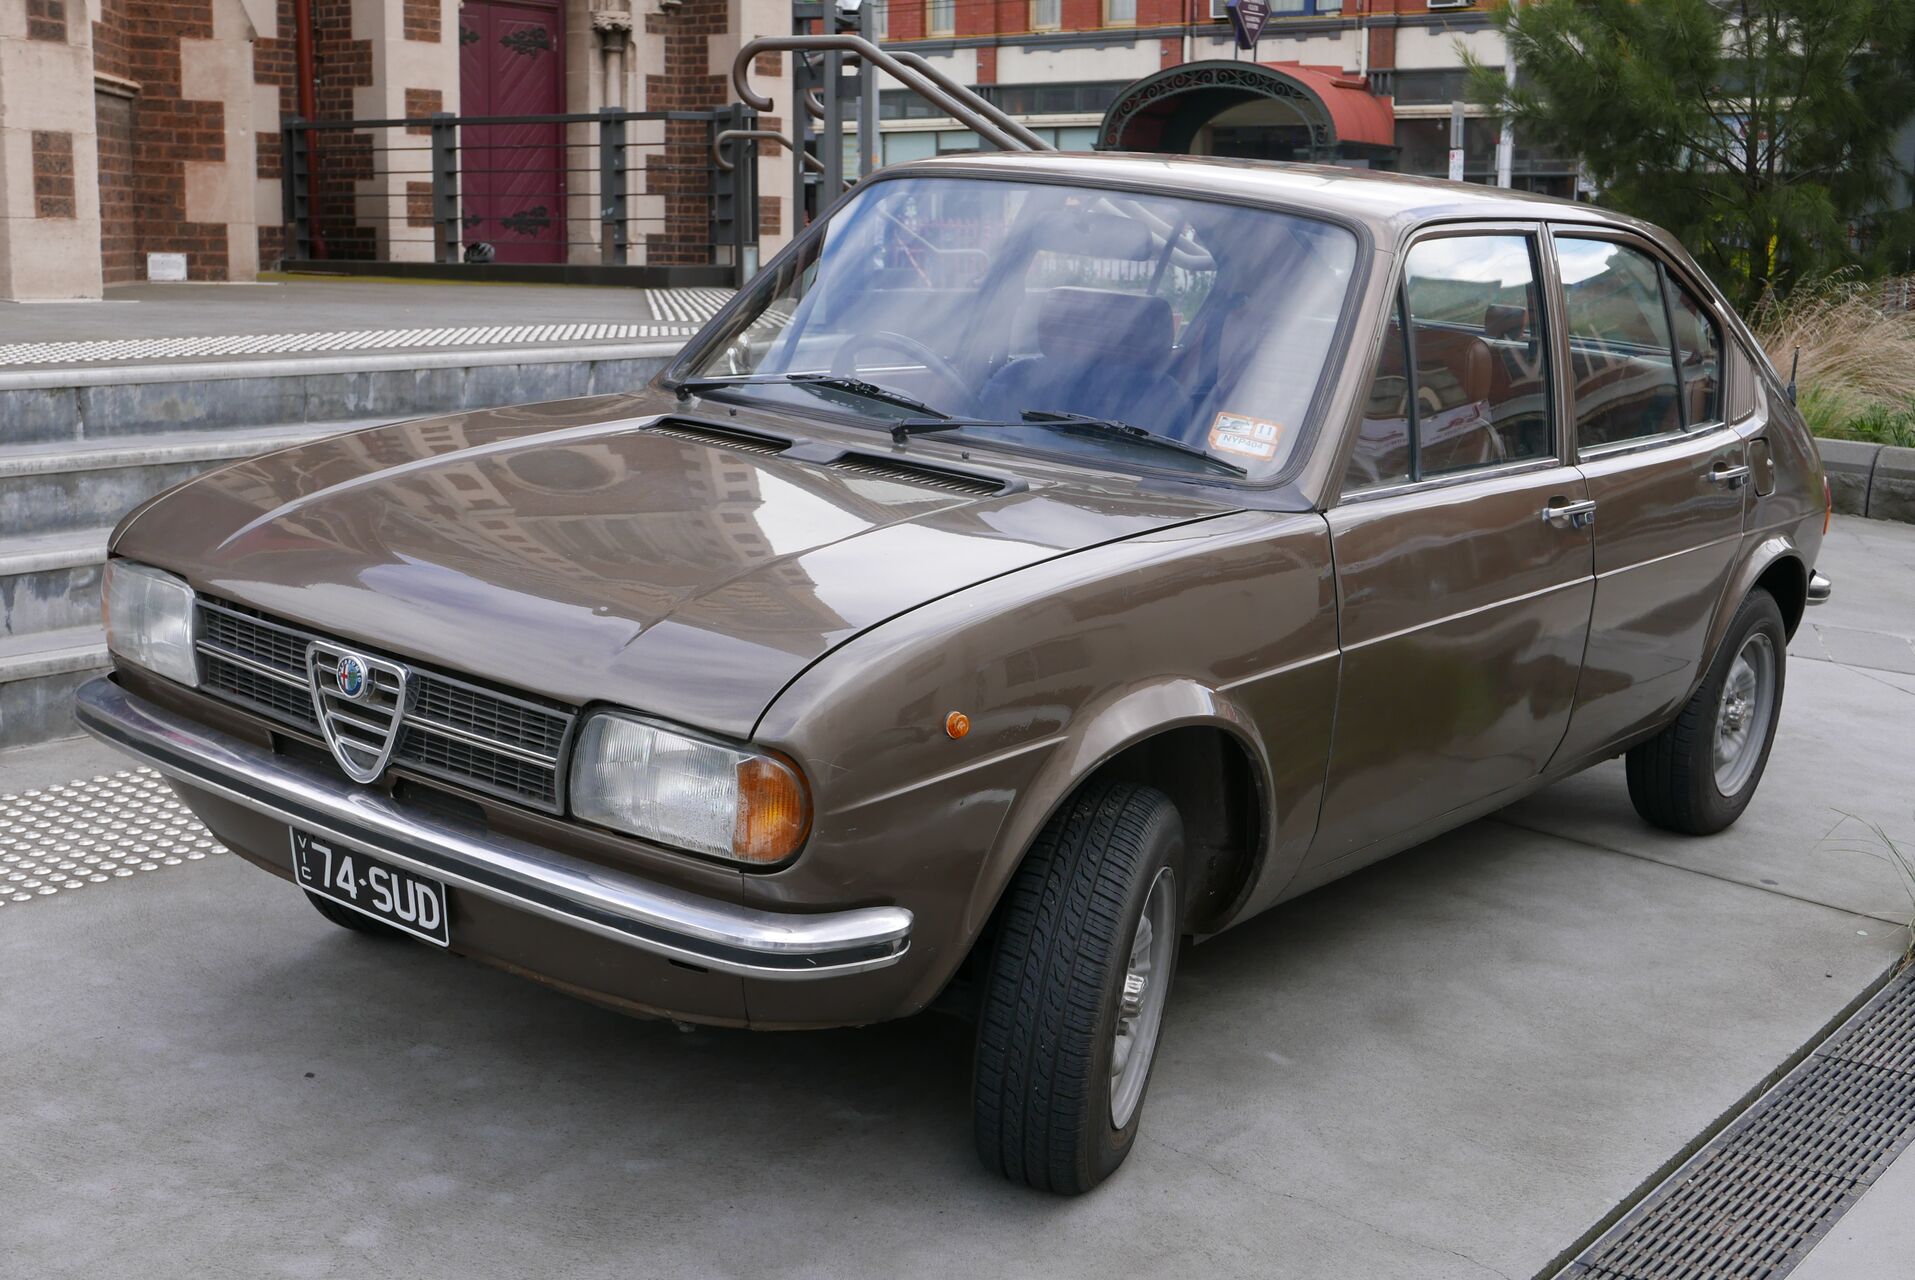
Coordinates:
(1453, 1064)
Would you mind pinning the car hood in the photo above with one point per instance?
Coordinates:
(591, 551)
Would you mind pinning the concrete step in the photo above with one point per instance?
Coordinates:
(79, 448)
(64, 488)
(51, 581)
(38, 674)
(47, 406)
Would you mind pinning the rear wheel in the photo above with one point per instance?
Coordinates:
(1699, 774)
(1079, 976)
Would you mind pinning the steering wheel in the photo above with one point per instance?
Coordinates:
(845, 363)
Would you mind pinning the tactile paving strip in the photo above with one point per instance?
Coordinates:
(678, 312)
(78, 834)
(1753, 1202)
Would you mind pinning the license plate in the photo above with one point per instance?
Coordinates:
(362, 883)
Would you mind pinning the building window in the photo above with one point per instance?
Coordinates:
(1120, 13)
(1047, 15)
(1091, 98)
(940, 17)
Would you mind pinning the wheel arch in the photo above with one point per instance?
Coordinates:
(1187, 740)
(1775, 564)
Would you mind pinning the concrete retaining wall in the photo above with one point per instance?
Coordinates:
(1873, 480)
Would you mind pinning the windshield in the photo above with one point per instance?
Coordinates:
(1205, 325)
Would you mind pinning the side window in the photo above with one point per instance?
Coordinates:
(1698, 357)
(1619, 344)
(1482, 381)
(1468, 385)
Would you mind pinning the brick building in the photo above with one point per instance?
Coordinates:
(1346, 81)
(130, 128)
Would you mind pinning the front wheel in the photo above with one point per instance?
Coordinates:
(1699, 774)
(1079, 975)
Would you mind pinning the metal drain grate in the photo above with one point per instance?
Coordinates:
(66, 837)
(1755, 1200)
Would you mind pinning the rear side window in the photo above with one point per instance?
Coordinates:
(1463, 380)
(1619, 343)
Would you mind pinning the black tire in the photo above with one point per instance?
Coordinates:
(1672, 777)
(346, 918)
(1054, 985)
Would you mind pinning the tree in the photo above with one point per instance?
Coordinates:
(1762, 132)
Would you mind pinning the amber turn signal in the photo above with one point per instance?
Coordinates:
(957, 724)
(773, 811)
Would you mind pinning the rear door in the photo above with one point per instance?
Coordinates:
(1462, 550)
(1668, 476)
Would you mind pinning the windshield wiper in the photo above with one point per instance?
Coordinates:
(827, 381)
(1077, 424)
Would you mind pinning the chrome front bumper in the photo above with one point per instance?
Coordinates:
(714, 935)
(1820, 589)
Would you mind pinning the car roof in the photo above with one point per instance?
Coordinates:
(1389, 202)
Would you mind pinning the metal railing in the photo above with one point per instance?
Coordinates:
(613, 190)
(818, 64)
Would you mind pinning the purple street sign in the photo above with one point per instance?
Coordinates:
(1248, 17)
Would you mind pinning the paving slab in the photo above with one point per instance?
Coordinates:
(1842, 759)
(1872, 563)
(1446, 1066)
(1450, 1065)
(60, 760)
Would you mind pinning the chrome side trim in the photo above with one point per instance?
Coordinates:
(1820, 589)
(704, 932)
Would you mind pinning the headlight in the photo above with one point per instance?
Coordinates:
(688, 792)
(149, 620)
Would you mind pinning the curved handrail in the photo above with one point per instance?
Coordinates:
(961, 104)
(719, 158)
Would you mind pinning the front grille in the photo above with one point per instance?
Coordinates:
(501, 744)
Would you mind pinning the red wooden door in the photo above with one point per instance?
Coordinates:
(512, 176)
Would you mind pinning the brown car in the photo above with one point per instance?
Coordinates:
(1045, 558)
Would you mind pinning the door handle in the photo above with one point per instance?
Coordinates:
(1733, 477)
(1570, 515)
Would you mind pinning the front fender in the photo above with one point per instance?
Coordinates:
(1229, 624)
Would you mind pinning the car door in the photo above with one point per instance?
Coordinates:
(1462, 550)
(1668, 475)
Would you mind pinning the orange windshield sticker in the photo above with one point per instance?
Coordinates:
(1245, 437)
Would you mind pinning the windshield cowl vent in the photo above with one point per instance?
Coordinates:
(864, 464)
(724, 436)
